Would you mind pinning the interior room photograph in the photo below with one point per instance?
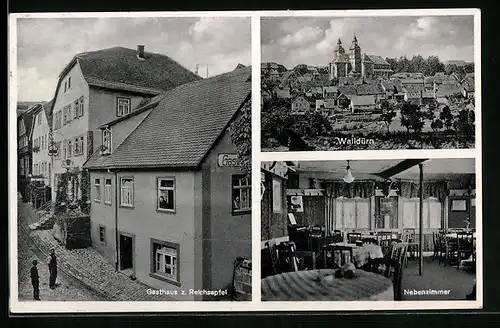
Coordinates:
(373, 230)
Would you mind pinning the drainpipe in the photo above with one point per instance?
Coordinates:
(116, 221)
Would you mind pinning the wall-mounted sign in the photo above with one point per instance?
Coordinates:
(297, 204)
(228, 160)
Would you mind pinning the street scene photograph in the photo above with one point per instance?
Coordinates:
(133, 158)
(370, 230)
(354, 83)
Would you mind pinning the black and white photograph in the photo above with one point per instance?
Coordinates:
(133, 157)
(370, 82)
(369, 230)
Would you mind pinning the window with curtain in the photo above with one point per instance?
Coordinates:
(127, 192)
(352, 213)
(431, 214)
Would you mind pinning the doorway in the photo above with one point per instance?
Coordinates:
(126, 253)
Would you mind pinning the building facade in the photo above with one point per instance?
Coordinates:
(355, 63)
(40, 136)
(170, 202)
(91, 91)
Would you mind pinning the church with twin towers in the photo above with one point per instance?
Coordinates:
(355, 63)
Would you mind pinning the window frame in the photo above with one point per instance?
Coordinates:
(97, 200)
(121, 192)
(176, 281)
(108, 144)
(104, 241)
(248, 187)
(128, 100)
(157, 205)
(110, 191)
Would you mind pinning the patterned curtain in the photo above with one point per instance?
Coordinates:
(336, 189)
(436, 189)
(361, 189)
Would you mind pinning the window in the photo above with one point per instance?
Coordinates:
(97, 189)
(65, 86)
(127, 192)
(70, 150)
(277, 196)
(79, 107)
(39, 118)
(77, 146)
(35, 169)
(65, 115)
(107, 191)
(81, 145)
(106, 140)
(122, 106)
(387, 212)
(352, 213)
(102, 234)
(21, 165)
(58, 150)
(166, 194)
(65, 150)
(69, 82)
(165, 261)
(431, 215)
(241, 194)
(75, 112)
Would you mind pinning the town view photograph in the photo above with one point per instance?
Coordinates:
(353, 83)
(133, 159)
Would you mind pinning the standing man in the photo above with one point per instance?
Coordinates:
(52, 269)
(35, 281)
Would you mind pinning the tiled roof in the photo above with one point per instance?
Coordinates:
(468, 84)
(448, 90)
(368, 89)
(414, 88)
(348, 90)
(363, 100)
(121, 66)
(47, 107)
(377, 60)
(392, 84)
(184, 125)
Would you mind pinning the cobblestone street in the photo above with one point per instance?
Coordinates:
(83, 274)
(68, 288)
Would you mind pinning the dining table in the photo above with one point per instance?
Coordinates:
(322, 285)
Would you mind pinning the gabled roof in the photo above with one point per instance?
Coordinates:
(414, 88)
(121, 65)
(369, 89)
(394, 85)
(348, 90)
(448, 90)
(240, 66)
(184, 125)
(377, 60)
(363, 100)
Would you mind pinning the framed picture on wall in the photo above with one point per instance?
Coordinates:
(297, 205)
(459, 205)
(277, 196)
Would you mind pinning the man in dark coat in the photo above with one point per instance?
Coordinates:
(52, 269)
(35, 280)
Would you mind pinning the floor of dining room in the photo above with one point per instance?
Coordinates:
(438, 277)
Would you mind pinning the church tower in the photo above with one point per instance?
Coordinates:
(355, 55)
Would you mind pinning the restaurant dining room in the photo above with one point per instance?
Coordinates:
(368, 230)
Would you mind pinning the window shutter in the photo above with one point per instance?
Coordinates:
(90, 143)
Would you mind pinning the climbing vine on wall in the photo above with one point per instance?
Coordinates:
(241, 136)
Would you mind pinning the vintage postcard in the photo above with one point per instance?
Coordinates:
(133, 158)
(219, 161)
(368, 82)
(370, 230)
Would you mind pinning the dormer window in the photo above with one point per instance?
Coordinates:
(122, 106)
(106, 141)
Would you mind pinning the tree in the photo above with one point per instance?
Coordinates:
(447, 117)
(464, 123)
(437, 125)
(241, 136)
(412, 118)
(388, 113)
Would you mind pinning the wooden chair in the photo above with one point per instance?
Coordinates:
(352, 237)
(271, 261)
(450, 250)
(437, 244)
(409, 237)
(287, 257)
(335, 256)
(316, 239)
(465, 248)
(370, 240)
(394, 268)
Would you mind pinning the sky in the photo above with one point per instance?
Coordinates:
(46, 45)
(310, 40)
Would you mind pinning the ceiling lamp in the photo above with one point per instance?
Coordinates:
(348, 178)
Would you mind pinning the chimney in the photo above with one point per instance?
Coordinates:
(140, 52)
